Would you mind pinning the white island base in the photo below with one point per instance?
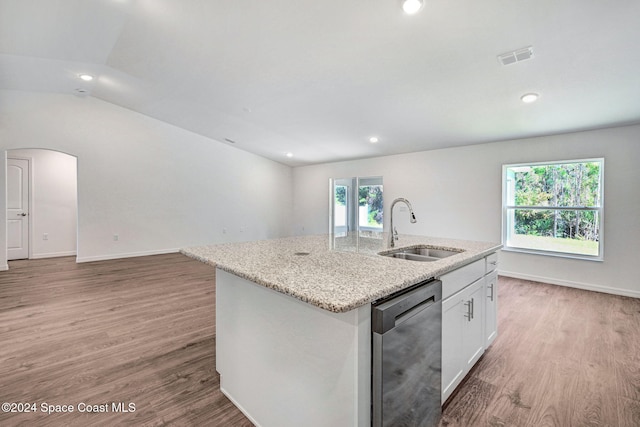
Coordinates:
(284, 362)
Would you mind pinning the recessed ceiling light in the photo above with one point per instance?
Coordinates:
(373, 139)
(528, 98)
(86, 77)
(411, 7)
(289, 155)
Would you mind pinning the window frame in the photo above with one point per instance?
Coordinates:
(369, 182)
(599, 209)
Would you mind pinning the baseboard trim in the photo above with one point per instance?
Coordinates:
(52, 255)
(4, 267)
(239, 406)
(570, 284)
(125, 255)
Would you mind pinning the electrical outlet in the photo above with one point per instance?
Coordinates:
(116, 237)
(45, 236)
(242, 229)
(224, 231)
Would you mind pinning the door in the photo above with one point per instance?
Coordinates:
(17, 209)
(342, 206)
(340, 210)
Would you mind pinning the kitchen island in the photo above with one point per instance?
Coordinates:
(293, 320)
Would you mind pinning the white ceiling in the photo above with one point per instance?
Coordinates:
(318, 78)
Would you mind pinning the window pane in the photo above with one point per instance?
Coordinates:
(554, 185)
(555, 230)
(340, 206)
(370, 205)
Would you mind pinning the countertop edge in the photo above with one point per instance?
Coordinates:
(355, 302)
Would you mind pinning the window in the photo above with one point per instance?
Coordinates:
(370, 206)
(340, 209)
(356, 204)
(554, 208)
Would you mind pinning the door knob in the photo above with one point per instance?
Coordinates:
(22, 214)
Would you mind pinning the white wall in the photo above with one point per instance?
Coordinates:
(457, 192)
(53, 202)
(161, 188)
(157, 186)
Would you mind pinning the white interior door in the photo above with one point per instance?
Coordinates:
(17, 209)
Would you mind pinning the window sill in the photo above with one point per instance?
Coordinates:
(553, 254)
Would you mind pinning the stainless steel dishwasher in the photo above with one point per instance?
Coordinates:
(406, 357)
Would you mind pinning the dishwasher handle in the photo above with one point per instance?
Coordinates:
(393, 311)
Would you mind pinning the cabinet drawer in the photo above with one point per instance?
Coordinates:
(455, 280)
(491, 262)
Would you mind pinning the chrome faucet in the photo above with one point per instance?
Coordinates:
(393, 236)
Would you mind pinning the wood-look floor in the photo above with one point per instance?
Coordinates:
(142, 331)
(563, 357)
(136, 331)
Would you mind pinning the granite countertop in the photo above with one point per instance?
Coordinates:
(336, 273)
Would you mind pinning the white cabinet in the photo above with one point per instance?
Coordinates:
(469, 319)
(491, 302)
(472, 333)
(491, 311)
(452, 360)
(458, 279)
(462, 334)
(462, 322)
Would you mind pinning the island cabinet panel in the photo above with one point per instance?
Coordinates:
(462, 334)
(452, 359)
(491, 312)
(469, 319)
(284, 362)
(474, 319)
(462, 277)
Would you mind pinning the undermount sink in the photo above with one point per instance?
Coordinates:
(420, 253)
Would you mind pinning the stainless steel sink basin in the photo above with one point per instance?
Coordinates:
(420, 253)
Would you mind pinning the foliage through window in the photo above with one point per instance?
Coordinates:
(554, 208)
(356, 204)
(370, 205)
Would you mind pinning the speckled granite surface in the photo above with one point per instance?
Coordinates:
(336, 274)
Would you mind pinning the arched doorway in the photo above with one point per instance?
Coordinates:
(42, 204)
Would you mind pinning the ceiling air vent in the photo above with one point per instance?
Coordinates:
(516, 56)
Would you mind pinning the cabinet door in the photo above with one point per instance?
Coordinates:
(491, 312)
(462, 334)
(473, 333)
(452, 328)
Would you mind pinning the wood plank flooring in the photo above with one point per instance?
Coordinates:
(563, 357)
(138, 331)
(142, 331)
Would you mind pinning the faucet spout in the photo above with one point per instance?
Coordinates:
(393, 234)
